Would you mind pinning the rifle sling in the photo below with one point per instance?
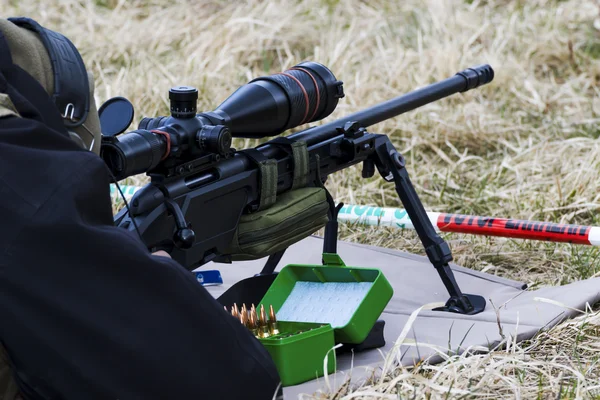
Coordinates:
(299, 152)
(267, 177)
(268, 168)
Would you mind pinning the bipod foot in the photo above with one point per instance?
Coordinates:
(468, 304)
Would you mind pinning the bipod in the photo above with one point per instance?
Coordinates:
(391, 165)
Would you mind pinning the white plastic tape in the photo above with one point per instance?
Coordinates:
(381, 216)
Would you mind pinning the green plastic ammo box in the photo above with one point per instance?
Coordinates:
(318, 306)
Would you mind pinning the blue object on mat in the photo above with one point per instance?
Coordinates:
(209, 277)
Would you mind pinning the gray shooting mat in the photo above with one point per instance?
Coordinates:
(522, 313)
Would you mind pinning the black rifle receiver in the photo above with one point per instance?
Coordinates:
(200, 187)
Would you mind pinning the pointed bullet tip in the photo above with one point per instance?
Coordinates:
(263, 315)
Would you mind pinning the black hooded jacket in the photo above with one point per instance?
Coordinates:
(86, 311)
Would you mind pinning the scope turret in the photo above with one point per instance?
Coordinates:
(183, 101)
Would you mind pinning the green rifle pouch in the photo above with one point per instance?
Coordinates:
(295, 215)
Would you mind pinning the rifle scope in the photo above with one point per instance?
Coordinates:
(266, 106)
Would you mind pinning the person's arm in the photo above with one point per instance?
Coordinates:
(86, 310)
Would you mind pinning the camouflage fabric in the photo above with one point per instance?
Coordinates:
(296, 215)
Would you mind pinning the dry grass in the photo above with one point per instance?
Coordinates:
(557, 364)
(525, 146)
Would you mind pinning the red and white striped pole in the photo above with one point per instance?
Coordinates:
(475, 225)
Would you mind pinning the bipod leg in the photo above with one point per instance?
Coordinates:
(391, 165)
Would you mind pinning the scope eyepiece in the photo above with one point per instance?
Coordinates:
(133, 153)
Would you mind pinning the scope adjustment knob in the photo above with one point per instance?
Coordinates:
(214, 139)
(183, 101)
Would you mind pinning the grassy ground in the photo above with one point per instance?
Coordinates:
(525, 146)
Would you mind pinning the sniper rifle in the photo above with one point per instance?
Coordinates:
(200, 188)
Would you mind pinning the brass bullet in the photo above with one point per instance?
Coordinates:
(272, 313)
(254, 315)
(253, 324)
(235, 311)
(264, 331)
(263, 327)
(243, 319)
(273, 327)
(244, 309)
(263, 316)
